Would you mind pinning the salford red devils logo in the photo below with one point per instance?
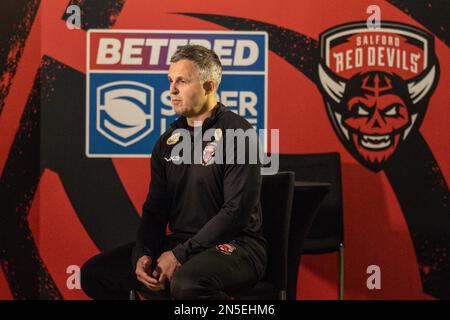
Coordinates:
(376, 84)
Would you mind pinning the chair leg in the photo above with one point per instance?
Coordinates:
(341, 272)
(132, 295)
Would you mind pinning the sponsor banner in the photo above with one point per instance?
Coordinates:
(128, 101)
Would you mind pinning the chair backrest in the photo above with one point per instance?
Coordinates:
(321, 167)
(276, 204)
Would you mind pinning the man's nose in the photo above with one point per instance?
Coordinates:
(173, 88)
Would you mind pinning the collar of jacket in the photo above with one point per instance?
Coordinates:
(217, 112)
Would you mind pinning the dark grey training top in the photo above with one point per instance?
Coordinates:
(204, 204)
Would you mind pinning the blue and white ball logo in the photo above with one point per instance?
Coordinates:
(125, 111)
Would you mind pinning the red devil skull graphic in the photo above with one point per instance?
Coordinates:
(376, 116)
(375, 111)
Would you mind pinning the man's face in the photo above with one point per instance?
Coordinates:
(187, 94)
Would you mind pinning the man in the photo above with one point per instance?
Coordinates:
(215, 244)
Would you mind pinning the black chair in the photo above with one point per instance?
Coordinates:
(327, 232)
(276, 203)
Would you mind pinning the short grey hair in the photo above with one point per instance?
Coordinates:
(207, 61)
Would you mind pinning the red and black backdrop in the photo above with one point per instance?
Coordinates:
(58, 207)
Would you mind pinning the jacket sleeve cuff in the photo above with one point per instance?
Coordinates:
(180, 253)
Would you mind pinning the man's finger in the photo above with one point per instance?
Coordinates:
(144, 275)
(156, 287)
(162, 277)
(143, 281)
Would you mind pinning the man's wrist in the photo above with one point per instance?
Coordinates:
(176, 260)
(138, 252)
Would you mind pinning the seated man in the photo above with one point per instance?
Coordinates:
(215, 244)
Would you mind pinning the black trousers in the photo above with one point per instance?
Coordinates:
(213, 274)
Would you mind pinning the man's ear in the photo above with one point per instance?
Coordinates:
(209, 86)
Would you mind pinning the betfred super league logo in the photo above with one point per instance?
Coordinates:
(376, 84)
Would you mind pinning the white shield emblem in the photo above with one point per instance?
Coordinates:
(125, 111)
